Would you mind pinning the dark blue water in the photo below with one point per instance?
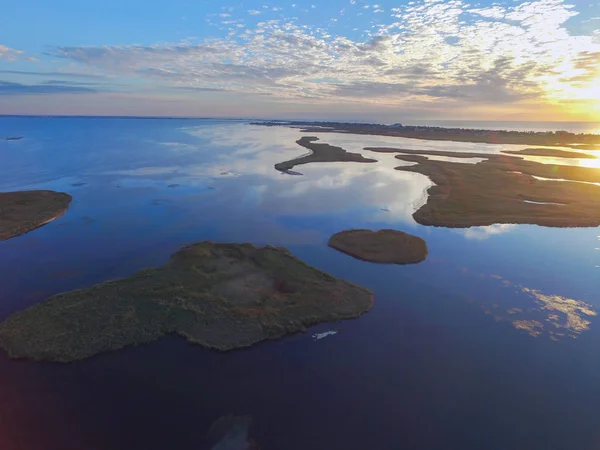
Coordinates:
(448, 357)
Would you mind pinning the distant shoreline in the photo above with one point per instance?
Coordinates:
(535, 125)
(582, 141)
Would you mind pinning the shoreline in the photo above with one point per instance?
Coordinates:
(583, 141)
(25, 211)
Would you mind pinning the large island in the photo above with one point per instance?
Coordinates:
(220, 296)
(504, 189)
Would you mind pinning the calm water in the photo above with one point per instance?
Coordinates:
(492, 343)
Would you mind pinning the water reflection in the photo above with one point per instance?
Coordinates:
(480, 233)
(592, 163)
(557, 161)
(421, 343)
(250, 153)
(533, 311)
(357, 143)
(563, 179)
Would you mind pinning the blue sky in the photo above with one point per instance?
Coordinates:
(348, 59)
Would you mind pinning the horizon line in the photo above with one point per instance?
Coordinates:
(108, 116)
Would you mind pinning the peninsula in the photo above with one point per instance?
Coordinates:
(23, 211)
(321, 153)
(220, 296)
(383, 246)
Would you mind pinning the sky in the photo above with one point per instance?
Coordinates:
(381, 60)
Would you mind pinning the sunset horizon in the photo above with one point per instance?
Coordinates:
(345, 60)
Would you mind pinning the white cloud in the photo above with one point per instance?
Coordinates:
(425, 52)
(253, 12)
(9, 53)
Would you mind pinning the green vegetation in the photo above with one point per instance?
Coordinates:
(21, 212)
(321, 153)
(501, 189)
(221, 296)
(383, 246)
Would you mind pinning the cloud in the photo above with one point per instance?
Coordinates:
(54, 74)
(68, 83)
(419, 53)
(7, 88)
(253, 12)
(9, 53)
(196, 89)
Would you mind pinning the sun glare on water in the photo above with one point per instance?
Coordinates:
(591, 163)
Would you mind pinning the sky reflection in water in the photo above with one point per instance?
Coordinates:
(479, 338)
(375, 193)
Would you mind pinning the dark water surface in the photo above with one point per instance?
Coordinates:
(492, 343)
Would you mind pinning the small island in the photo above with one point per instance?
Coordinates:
(321, 153)
(549, 152)
(383, 246)
(23, 211)
(220, 296)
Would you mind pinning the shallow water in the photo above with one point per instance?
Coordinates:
(492, 342)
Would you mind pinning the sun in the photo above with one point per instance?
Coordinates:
(575, 89)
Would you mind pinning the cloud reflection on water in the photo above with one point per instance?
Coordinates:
(376, 191)
(481, 233)
(533, 311)
(250, 152)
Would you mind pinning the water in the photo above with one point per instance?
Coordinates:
(490, 343)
